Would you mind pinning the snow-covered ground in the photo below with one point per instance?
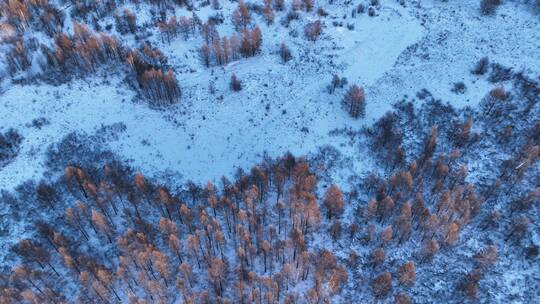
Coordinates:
(428, 44)
(283, 106)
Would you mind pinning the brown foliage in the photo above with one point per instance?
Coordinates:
(430, 248)
(469, 285)
(452, 234)
(402, 298)
(377, 256)
(335, 230)
(159, 87)
(430, 144)
(268, 12)
(241, 17)
(355, 101)
(487, 256)
(338, 278)
(387, 234)
(333, 201)
(382, 284)
(284, 52)
(407, 273)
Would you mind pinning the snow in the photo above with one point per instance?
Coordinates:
(391, 55)
(67, 108)
(372, 48)
(283, 106)
(203, 138)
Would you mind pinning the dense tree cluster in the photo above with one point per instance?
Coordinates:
(78, 50)
(113, 234)
(84, 51)
(34, 14)
(432, 208)
(160, 87)
(18, 59)
(117, 236)
(218, 50)
(427, 201)
(126, 22)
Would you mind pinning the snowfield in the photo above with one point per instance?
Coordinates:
(282, 106)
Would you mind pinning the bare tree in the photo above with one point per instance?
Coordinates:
(235, 83)
(313, 30)
(402, 298)
(333, 201)
(382, 284)
(407, 273)
(355, 101)
(241, 16)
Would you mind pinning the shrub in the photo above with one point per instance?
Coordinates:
(313, 30)
(285, 52)
(292, 15)
(489, 7)
(407, 274)
(481, 67)
(498, 93)
(38, 123)
(236, 84)
(459, 88)
(337, 82)
(321, 12)
(10, 143)
(78, 149)
(500, 73)
(469, 284)
(532, 251)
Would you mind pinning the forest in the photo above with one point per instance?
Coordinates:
(445, 209)
(275, 234)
